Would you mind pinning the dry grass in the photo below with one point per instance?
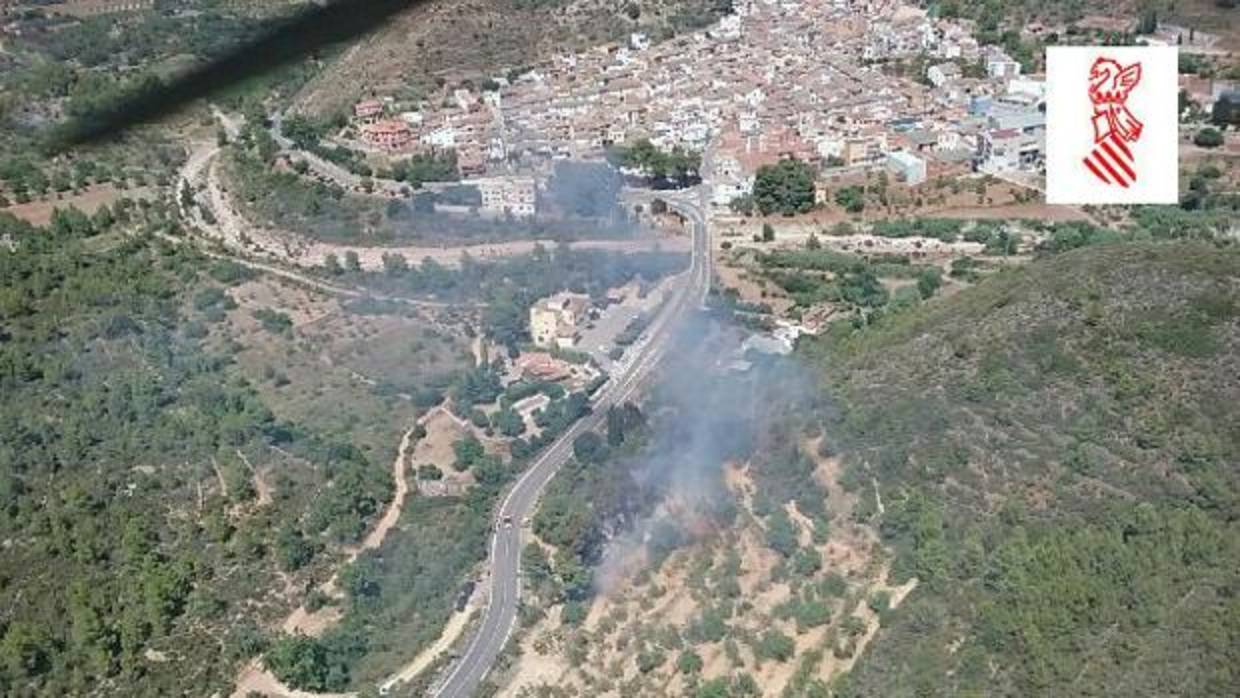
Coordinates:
(333, 357)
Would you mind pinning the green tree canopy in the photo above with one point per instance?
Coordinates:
(786, 187)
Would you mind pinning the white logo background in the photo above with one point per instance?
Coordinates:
(1070, 133)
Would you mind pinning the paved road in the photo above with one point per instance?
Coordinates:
(499, 616)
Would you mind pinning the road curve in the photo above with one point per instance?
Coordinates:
(499, 616)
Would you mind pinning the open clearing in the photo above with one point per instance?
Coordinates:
(40, 212)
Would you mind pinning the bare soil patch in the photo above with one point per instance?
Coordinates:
(1030, 211)
(40, 212)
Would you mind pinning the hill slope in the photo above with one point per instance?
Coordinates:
(1053, 454)
(453, 39)
(175, 471)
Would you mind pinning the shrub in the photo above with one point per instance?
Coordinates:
(807, 562)
(786, 187)
(273, 321)
(574, 613)
(775, 645)
(468, 450)
(833, 585)
(1208, 137)
(928, 281)
(650, 660)
(880, 602)
(689, 662)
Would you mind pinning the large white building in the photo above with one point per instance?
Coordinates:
(909, 167)
(1001, 65)
(514, 196)
(943, 73)
(1005, 150)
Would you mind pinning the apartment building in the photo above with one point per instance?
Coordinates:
(513, 196)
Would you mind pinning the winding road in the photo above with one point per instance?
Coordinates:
(503, 583)
(504, 564)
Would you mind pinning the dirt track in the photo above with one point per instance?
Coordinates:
(256, 678)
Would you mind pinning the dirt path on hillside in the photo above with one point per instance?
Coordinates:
(256, 678)
(1030, 211)
(834, 665)
(228, 230)
(313, 623)
(392, 515)
(261, 487)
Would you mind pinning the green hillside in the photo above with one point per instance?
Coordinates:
(1053, 454)
(138, 555)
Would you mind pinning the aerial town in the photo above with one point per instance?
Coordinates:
(814, 96)
(684, 91)
(771, 81)
(774, 80)
(549, 348)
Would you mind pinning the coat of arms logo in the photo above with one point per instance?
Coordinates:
(1115, 127)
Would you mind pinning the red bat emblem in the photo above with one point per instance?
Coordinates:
(1114, 126)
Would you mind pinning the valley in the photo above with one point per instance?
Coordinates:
(554, 348)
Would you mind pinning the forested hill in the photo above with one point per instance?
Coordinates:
(1055, 454)
(136, 557)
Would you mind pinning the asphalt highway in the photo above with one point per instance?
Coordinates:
(499, 616)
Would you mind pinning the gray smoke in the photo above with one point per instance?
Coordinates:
(703, 415)
(579, 200)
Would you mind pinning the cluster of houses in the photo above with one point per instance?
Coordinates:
(773, 80)
(515, 196)
(770, 81)
(408, 132)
